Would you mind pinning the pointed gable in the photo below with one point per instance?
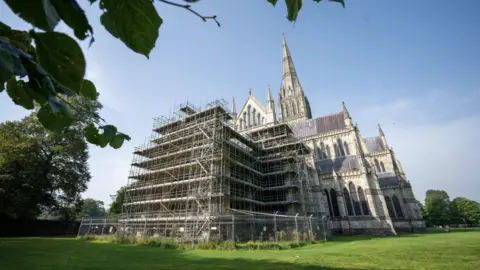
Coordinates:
(374, 144)
(251, 106)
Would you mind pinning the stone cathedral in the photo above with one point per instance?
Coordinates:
(360, 185)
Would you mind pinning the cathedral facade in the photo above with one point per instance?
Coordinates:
(359, 183)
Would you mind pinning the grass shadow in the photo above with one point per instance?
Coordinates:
(56, 254)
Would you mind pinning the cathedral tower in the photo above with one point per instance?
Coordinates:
(293, 104)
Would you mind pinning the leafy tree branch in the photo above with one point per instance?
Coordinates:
(41, 69)
(188, 7)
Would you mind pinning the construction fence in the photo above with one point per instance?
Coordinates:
(239, 226)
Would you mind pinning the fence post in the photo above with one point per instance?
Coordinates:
(324, 231)
(144, 227)
(89, 227)
(104, 223)
(233, 227)
(80, 227)
(310, 222)
(296, 227)
(275, 226)
(310, 235)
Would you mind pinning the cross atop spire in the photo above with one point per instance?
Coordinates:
(250, 91)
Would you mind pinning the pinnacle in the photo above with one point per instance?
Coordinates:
(345, 111)
(380, 131)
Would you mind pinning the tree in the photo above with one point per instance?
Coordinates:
(465, 211)
(116, 205)
(422, 209)
(93, 208)
(437, 207)
(41, 170)
(54, 67)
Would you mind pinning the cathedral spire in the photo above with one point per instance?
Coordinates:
(290, 82)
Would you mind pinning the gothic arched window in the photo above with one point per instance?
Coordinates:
(348, 202)
(354, 196)
(397, 206)
(322, 150)
(382, 166)
(299, 107)
(377, 165)
(249, 120)
(335, 148)
(329, 202)
(254, 114)
(294, 108)
(241, 123)
(345, 146)
(329, 154)
(333, 197)
(259, 118)
(391, 212)
(363, 201)
(286, 110)
(340, 147)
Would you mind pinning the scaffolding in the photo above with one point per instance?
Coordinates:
(198, 179)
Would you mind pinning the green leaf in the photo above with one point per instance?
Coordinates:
(117, 141)
(57, 105)
(39, 83)
(62, 58)
(103, 140)
(40, 13)
(39, 97)
(91, 134)
(274, 2)
(109, 130)
(18, 94)
(108, 134)
(135, 23)
(15, 55)
(74, 16)
(6, 67)
(54, 121)
(88, 90)
(293, 7)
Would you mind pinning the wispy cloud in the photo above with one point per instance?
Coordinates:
(434, 137)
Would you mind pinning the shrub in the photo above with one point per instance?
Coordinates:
(170, 244)
(226, 245)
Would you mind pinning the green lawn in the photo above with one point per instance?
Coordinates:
(455, 250)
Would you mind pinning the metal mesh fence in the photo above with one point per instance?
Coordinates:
(239, 226)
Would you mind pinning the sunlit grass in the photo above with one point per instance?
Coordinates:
(453, 250)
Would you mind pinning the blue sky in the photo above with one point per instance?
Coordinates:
(412, 66)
